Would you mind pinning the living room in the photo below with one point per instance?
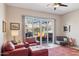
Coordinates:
(64, 27)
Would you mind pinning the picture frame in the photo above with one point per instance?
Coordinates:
(67, 28)
(4, 26)
(14, 26)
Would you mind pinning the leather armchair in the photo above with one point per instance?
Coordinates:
(9, 49)
(43, 52)
(17, 52)
(32, 41)
(22, 45)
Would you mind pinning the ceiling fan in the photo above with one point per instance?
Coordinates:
(55, 5)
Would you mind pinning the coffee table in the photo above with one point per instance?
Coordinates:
(38, 50)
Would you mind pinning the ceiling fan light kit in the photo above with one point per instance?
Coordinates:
(53, 5)
(56, 5)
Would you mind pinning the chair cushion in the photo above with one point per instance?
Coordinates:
(33, 44)
(65, 39)
(30, 40)
(9, 46)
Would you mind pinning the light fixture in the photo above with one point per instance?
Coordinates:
(14, 33)
(56, 5)
(53, 5)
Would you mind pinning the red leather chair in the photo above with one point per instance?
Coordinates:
(22, 45)
(9, 49)
(32, 41)
(43, 52)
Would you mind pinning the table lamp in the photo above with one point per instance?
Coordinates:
(14, 33)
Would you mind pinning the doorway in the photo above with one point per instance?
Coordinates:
(42, 29)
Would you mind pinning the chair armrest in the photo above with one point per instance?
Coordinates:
(26, 44)
(19, 45)
(18, 52)
(37, 42)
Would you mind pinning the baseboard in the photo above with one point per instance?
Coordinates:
(75, 47)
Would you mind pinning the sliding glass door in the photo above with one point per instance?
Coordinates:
(36, 29)
(44, 30)
(51, 31)
(28, 27)
(41, 29)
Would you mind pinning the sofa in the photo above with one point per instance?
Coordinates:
(42, 52)
(9, 49)
(61, 40)
(21, 49)
(31, 41)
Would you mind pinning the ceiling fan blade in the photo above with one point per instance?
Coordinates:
(63, 5)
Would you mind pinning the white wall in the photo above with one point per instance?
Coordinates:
(2, 15)
(14, 14)
(73, 20)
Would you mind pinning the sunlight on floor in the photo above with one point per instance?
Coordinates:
(47, 46)
(50, 45)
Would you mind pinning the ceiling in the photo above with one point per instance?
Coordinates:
(42, 7)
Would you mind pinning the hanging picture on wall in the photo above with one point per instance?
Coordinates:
(4, 26)
(15, 26)
(67, 28)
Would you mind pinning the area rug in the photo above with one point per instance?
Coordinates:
(62, 51)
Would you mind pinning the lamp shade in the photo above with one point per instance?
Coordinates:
(14, 32)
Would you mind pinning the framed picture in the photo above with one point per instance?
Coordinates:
(67, 28)
(4, 26)
(15, 26)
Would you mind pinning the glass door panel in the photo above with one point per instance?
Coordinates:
(44, 31)
(36, 29)
(28, 27)
(50, 31)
